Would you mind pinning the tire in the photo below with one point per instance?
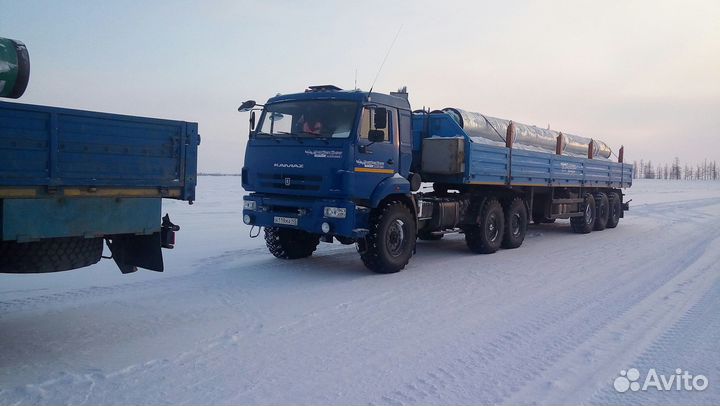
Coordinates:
(51, 255)
(615, 210)
(288, 243)
(584, 224)
(428, 236)
(602, 206)
(486, 236)
(390, 242)
(516, 223)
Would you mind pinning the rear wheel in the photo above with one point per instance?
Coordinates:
(390, 242)
(51, 255)
(516, 223)
(486, 236)
(602, 206)
(585, 223)
(615, 210)
(288, 243)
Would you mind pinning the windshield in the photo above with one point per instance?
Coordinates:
(308, 118)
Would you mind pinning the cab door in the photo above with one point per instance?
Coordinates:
(376, 157)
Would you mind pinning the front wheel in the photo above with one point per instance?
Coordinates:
(390, 242)
(288, 243)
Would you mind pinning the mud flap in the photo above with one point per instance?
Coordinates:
(133, 251)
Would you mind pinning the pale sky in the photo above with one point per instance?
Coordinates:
(645, 74)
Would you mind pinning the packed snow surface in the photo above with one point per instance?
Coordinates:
(554, 321)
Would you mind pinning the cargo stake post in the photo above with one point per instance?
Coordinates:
(328, 164)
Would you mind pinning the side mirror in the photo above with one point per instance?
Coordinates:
(376, 135)
(380, 118)
(247, 106)
(252, 121)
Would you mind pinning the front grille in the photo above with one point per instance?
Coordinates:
(290, 182)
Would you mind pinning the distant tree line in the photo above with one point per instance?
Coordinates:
(705, 170)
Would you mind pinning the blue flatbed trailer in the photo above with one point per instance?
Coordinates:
(327, 164)
(507, 166)
(70, 179)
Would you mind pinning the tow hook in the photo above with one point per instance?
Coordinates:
(167, 232)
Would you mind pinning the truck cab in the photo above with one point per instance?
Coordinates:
(320, 160)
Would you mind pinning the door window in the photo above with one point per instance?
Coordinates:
(367, 123)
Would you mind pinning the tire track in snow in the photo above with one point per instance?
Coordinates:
(492, 375)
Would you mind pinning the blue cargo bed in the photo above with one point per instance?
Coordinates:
(68, 152)
(489, 164)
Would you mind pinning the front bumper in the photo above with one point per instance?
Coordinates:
(309, 213)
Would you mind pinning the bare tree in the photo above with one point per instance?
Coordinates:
(675, 173)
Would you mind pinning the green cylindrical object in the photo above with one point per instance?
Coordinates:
(14, 68)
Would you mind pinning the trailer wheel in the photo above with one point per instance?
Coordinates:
(585, 223)
(51, 255)
(390, 242)
(288, 243)
(603, 209)
(615, 210)
(486, 236)
(516, 222)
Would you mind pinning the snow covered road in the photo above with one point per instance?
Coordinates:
(554, 321)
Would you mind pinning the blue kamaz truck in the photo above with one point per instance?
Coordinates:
(364, 168)
(71, 180)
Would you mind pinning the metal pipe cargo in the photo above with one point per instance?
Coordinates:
(495, 130)
(14, 68)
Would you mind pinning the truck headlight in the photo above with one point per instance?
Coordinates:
(249, 205)
(336, 212)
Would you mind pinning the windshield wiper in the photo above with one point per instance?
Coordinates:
(317, 136)
(269, 135)
(296, 136)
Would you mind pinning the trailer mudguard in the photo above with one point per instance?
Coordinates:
(133, 251)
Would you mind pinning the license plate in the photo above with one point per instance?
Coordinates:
(288, 221)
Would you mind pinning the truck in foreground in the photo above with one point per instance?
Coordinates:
(328, 164)
(71, 180)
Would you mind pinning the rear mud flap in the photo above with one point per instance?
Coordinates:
(133, 251)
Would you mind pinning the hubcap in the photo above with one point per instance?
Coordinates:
(396, 237)
(588, 214)
(492, 229)
(515, 224)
